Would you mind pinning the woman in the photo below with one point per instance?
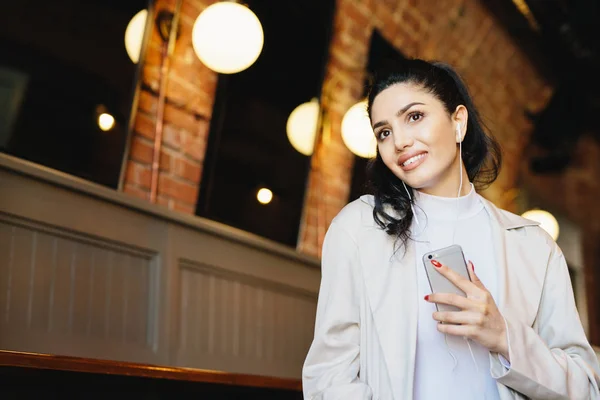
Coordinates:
(378, 335)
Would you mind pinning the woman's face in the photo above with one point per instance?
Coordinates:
(417, 139)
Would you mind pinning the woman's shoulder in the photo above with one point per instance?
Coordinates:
(514, 222)
(357, 215)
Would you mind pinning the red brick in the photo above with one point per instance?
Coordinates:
(163, 201)
(202, 132)
(193, 146)
(357, 14)
(141, 150)
(386, 21)
(147, 102)
(172, 136)
(145, 125)
(165, 160)
(190, 84)
(186, 169)
(310, 237)
(184, 207)
(177, 189)
(184, 42)
(202, 105)
(190, 77)
(180, 118)
(135, 191)
(201, 4)
(138, 174)
(144, 176)
(336, 191)
(151, 77)
(181, 94)
(154, 55)
(131, 176)
(191, 10)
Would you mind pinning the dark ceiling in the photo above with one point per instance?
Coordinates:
(563, 43)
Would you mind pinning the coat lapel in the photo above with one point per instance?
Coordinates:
(391, 287)
(521, 259)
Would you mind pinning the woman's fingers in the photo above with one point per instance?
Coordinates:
(460, 281)
(459, 317)
(468, 331)
(473, 275)
(454, 300)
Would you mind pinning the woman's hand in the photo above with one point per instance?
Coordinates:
(479, 318)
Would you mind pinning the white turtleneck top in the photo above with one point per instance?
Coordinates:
(436, 376)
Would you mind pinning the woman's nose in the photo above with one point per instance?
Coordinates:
(402, 140)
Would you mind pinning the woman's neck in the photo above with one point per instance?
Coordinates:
(448, 185)
(448, 208)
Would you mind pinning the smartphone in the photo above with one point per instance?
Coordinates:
(453, 258)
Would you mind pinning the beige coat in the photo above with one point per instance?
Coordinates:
(366, 326)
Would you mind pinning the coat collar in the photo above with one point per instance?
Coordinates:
(505, 219)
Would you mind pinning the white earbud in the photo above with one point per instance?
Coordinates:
(458, 135)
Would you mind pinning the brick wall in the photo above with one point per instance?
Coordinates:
(462, 33)
(188, 107)
(575, 191)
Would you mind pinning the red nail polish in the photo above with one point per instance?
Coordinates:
(472, 265)
(436, 263)
(427, 298)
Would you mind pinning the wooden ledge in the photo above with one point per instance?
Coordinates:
(93, 190)
(87, 365)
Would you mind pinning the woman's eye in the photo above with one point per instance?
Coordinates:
(415, 116)
(383, 134)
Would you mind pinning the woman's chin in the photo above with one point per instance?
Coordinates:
(416, 181)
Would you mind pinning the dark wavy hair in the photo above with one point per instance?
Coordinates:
(480, 151)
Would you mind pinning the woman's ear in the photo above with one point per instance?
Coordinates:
(460, 119)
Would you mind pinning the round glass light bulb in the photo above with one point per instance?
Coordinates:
(134, 35)
(301, 127)
(106, 121)
(357, 133)
(264, 196)
(227, 37)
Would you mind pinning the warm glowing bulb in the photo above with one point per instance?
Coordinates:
(357, 133)
(106, 121)
(134, 35)
(302, 127)
(546, 220)
(227, 37)
(264, 196)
